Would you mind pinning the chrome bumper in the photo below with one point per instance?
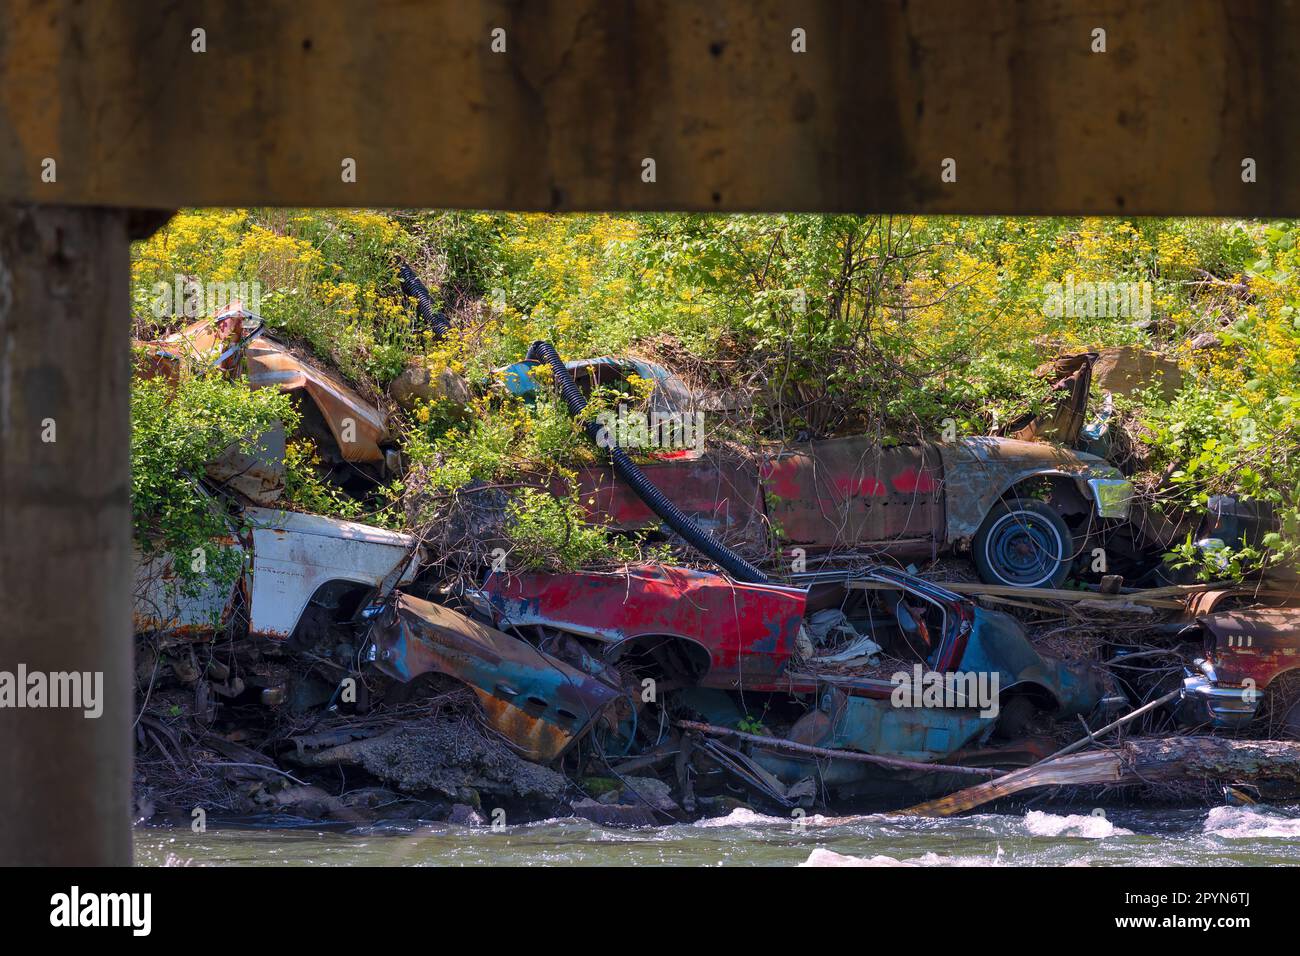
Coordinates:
(1228, 707)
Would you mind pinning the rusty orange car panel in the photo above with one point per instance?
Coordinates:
(542, 705)
(198, 344)
(358, 426)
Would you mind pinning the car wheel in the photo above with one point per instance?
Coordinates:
(1024, 543)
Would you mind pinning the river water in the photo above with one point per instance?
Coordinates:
(1249, 836)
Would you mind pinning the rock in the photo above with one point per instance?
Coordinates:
(420, 383)
(618, 815)
(417, 810)
(649, 791)
(464, 815)
(369, 797)
(721, 806)
(184, 667)
(450, 756)
(394, 808)
(295, 795)
(315, 802)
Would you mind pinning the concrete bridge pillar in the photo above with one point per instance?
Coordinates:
(65, 554)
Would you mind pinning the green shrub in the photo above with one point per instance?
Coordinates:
(553, 534)
(834, 324)
(176, 429)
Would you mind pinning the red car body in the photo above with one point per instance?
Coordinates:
(1245, 653)
(751, 627)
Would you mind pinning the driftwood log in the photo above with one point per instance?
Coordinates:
(1140, 761)
(791, 746)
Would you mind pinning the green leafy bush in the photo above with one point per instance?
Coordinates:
(177, 428)
(553, 534)
(827, 324)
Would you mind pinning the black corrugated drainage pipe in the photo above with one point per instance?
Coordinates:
(627, 469)
(424, 306)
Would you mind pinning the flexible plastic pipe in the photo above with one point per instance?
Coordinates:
(412, 286)
(627, 469)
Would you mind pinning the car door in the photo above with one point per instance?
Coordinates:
(720, 491)
(853, 493)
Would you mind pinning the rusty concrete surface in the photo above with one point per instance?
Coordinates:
(65, 531)
(711, 90)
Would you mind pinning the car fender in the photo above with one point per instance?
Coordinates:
(978, 472)
(294, 555)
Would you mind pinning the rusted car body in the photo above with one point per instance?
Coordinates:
(538, 702)
(711, 647)
(357, 426)
(668, 394)
(724, 633)
(290, 561)
(1023, 508)
(1248, 668)
(1071, 378)
(736, 636)
(905, 501)
(348, 429)
(852, 492)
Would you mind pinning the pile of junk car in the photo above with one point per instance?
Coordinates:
(834, 688)
(607, 672)
(657, 692)
(295, 563)
(226, 666)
